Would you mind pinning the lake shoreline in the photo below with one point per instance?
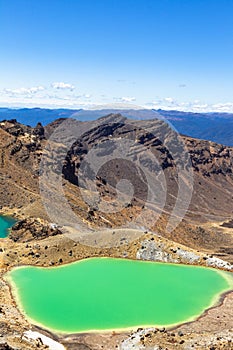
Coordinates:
(7, 222)
(58, 335)
(218, 269)
(216, 302)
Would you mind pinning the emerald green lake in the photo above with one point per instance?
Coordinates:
(107, 294)
(5, 223)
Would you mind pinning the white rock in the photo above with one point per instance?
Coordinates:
(52, 344)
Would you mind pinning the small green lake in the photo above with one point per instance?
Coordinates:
(110, 294)
(6, 222)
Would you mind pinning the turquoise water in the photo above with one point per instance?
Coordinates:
(6, 222)
(107, 294)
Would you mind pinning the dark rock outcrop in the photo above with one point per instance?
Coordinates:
(32, 229)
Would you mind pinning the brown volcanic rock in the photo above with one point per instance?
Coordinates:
(212, 165)
(21, 148)
(49, 129)
(32, 229)
(5, 346)
(24, 140)
(210, 158)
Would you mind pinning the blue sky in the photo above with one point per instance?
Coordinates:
(174, 54)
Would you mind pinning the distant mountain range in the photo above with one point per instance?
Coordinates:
(31, 116)
(216, 127)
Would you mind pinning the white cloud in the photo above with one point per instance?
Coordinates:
(169, 99)
(197, 106)
(62, 95)
(24, 91)
(36, 89)
(127, 99)
(46, 101)
(51, 96)
(224, 107)
(200, 107)
(61, 85)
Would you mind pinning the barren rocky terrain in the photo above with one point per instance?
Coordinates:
(203, 237)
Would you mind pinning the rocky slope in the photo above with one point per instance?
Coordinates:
(203, 237)
(205, 223)
(22, 147)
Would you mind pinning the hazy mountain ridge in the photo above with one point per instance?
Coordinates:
(216, 127)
